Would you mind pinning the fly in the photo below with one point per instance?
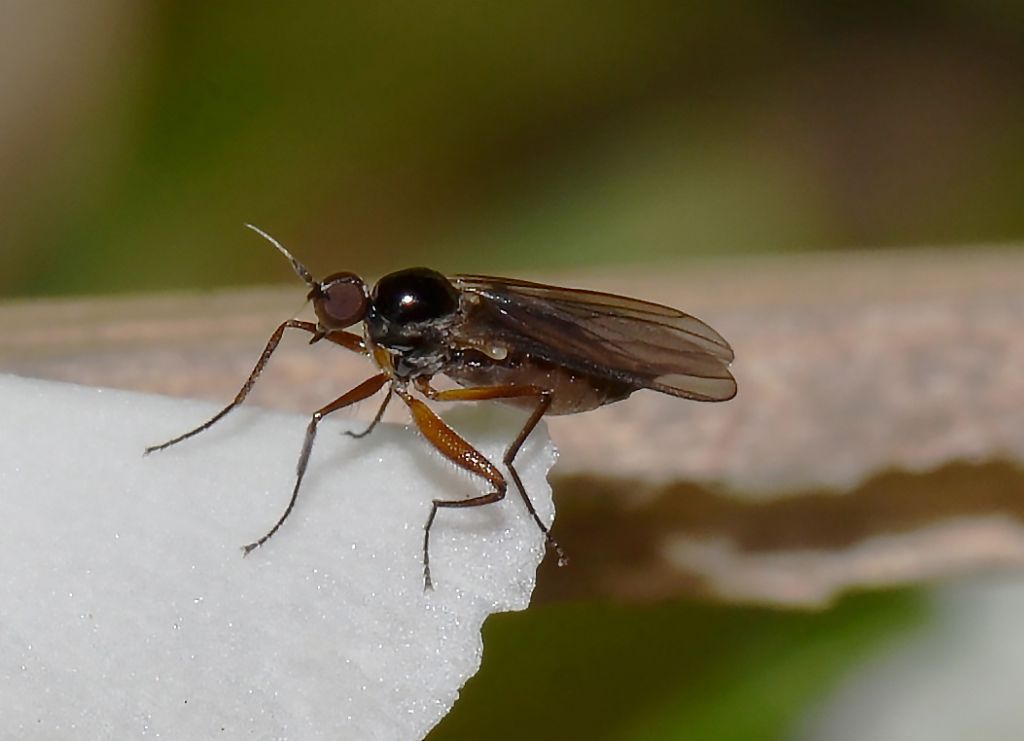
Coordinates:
(548, 349)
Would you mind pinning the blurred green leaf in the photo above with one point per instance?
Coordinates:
(517, 136)
(676, 671)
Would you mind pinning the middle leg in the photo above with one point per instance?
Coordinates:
(363, 391)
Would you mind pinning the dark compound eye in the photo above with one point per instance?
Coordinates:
(340, 300)
(415, 295)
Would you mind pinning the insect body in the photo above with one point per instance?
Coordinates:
(551, 350)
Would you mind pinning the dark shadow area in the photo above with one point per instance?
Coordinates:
(613, 530)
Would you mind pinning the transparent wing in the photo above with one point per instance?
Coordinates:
(645, 344)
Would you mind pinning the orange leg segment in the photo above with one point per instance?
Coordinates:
(455, 448)
(347, 340)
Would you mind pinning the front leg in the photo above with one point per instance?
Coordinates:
(272, 343)
(345, 339)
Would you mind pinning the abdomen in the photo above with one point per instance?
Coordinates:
(572, 392)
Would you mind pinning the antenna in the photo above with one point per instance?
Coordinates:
(299, 268)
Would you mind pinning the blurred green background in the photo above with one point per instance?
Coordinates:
(673, 672)
(136, 137)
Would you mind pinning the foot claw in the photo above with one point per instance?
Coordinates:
(553, 545)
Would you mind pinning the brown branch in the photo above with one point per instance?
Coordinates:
(849, 366)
